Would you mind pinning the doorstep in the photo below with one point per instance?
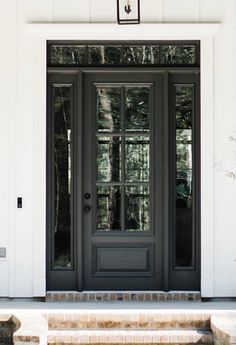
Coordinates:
(129, 296)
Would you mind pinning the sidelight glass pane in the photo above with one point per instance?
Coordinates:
(141, 55)
(68, 55)
(101, 55)
(184, 176)
(137, 108)
(108, 109)
(62, 101)
(108, 159)
(108, 208)
(137, 159)
(177, 54)
(137, 213)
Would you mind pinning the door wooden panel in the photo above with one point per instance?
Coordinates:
(122, 231)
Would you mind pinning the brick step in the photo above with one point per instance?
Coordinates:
(124, 336)
(6, 329)
(126, 296)
(128, 319)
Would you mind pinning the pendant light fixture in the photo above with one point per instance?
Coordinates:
(128, 11)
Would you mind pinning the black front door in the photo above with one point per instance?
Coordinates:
(123, 188)
(122, 181)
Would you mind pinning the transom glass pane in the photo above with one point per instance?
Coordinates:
(137, 108)
(177, 55)
(157, 54)
(141, 55)
(101, 55)
(108, 109)
(68, 55)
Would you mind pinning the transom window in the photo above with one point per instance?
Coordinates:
(121, 54)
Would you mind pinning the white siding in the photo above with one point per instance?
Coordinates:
(181, 11)
(71, 10)
(22, 139)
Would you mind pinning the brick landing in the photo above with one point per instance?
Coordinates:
(128, 296)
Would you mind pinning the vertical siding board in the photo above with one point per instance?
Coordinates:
(26, 254)
(151, 11)
(103, 11)
(181, 10)
(35, 10)
(7, 171)
(212, 10)
(73, 10)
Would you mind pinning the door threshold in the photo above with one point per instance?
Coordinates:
(125, 296)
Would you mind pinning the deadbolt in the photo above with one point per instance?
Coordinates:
(87, 196)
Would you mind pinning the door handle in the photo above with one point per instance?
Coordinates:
(87, 208)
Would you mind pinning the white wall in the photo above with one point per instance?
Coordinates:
(22, 139)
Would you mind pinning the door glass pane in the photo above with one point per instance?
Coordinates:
(137, 108)
(108, 159)
(137, 211)
(184, 175)
(137, 159)
(123, 158)
(108, 208)
(108, 109)
(62, 175)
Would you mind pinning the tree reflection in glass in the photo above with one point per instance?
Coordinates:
(184, 176)
(62, 173)
(177, 55)
(108, 109)
(137, 109)
(68, 55)
(137, 159)
(108, 159)
(123, 158)
(141, 55)
(104, 55)
(137, 208)
(108, 208)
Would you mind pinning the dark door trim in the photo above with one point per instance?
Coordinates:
(72, 279)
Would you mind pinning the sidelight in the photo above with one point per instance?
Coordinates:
(62, 109)
(184, 176)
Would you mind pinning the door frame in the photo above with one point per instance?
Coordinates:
(169, 76)
(179, 31)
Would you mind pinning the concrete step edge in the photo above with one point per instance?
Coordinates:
(130, 337)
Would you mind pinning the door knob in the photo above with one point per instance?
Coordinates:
(87, 208)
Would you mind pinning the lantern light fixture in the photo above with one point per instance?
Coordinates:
(128, 11)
